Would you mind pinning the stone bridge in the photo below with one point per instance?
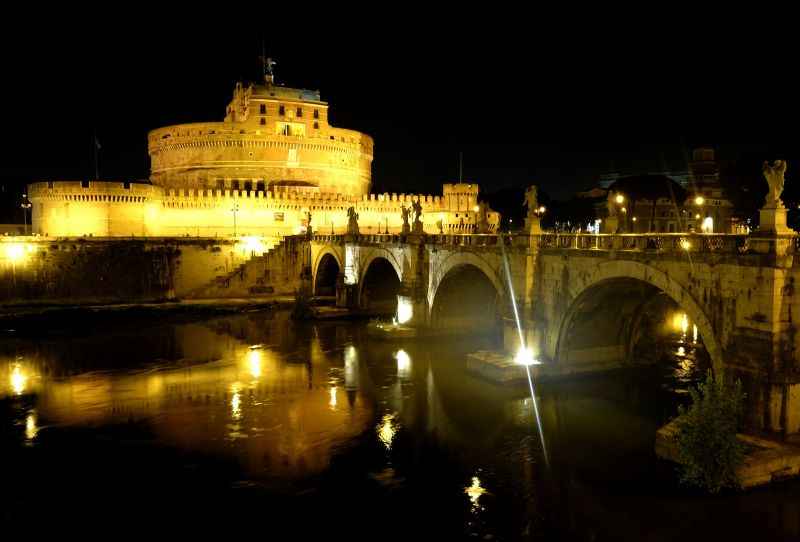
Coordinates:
(581, 297)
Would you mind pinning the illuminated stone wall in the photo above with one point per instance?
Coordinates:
(107, 209)
(103, 209)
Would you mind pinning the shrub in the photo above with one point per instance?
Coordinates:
(708, 450)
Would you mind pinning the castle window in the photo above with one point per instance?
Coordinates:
(248, 186)
(50, 184)
(316, 126)
(235, 184)
(262, 109)
(316, 113)
(84, 184)
(263, 121)
(220, 184)
(299, 111)
(281, 111)
(260, 186)
(126, 185)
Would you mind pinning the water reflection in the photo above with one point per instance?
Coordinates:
(474, 492)
(403, 364)
(414, 420)
(387, 430)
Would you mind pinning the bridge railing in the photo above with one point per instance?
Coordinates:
(658, 242)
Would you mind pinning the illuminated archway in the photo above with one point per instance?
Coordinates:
(601, 319)
(380, 285)
(466, 301)
(325, 279)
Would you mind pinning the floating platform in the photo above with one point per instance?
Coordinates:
(765, 460)
(389, 331)
(497, 367)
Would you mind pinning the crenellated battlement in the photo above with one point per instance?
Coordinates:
(95, 191)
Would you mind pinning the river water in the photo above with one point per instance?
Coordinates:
(255, 422)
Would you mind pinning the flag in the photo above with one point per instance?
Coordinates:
(97, 143)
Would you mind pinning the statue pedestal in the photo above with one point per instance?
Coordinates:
(417, 228)
(772, 220)
(406, 229)
(773, 236)
(533, 225)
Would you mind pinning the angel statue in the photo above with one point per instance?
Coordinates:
(774, 176)
(531, 200)
(417, 206)
(352, 221)
(404, 211)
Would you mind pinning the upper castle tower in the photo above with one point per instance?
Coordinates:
(273, 138)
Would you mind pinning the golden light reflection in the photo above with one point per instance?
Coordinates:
(681, 352)
(694, 333)
(474, 492)
(236, 402)
(332, 402)
(350, 368)
(18, 380)
(30, 426)
(254, 360)
(403, 363)
(386, 430)
(685, 244)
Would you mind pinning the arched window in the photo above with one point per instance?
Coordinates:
(281, 111)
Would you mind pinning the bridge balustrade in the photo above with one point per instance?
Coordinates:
(661, 242)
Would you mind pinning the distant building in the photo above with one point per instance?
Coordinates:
(694, 202)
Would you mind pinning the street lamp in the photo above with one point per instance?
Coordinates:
(620, 199)
(235, 209)
(25, 206)
(699, 200)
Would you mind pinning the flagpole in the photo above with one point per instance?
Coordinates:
(96, 146)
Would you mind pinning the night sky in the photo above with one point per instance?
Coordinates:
(528, 108)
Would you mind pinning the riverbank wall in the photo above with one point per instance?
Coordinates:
(86, 270)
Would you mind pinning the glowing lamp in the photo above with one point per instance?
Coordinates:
(708, 225)
(16, 251)
(525, 357)
(685, 244)
(634, 219)
(620, 198)
(476, 208)
(542, 209)
(699, 200)
(405, 309)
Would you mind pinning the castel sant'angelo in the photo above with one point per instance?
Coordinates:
(269, 166)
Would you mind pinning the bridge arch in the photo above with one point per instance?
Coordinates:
(379, 281)
(440, 269)
(628, 275)
(465, 295)
(327, 262)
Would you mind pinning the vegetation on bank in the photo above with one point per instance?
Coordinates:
(709, 451)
